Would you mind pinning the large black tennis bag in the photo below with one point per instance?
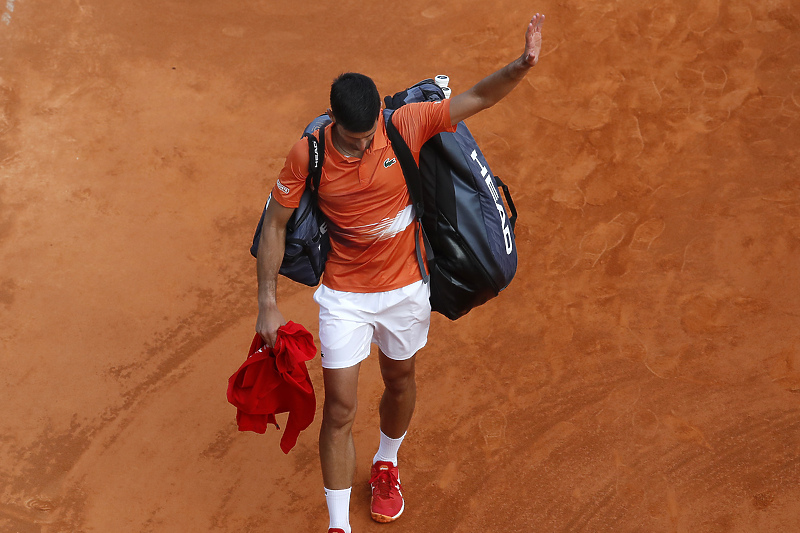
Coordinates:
(472, 236)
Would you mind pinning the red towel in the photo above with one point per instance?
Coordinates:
(275, 380)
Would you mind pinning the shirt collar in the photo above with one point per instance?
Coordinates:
(381, 140)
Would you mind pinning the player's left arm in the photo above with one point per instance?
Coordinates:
(494, 87)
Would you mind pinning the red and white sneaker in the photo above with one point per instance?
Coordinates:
(335, 530)
(387, 495)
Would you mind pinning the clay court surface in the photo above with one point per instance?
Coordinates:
(640, 374)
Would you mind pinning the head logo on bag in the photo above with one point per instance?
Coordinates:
(508, 239)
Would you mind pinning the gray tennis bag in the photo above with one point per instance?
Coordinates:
(307, 240)
(457, 198)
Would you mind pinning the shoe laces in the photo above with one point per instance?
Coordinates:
(385, 481)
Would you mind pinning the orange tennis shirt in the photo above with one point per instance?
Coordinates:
(371, 220)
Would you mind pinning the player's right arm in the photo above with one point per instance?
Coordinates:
(268, 263)
(287, 192)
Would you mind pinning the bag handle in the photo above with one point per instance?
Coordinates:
(513, 218)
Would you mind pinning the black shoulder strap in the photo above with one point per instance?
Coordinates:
(414, 184)
(409, 166)
(316, 157)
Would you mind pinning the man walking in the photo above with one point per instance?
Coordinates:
(372, 290)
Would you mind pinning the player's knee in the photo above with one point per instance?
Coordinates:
(338, 414)
(400, 382)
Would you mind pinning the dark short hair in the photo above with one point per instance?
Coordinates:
(355, 102)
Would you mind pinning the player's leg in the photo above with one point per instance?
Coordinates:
(336, 449)
(399, 396)
(401, 330)
(396, 409)
(345, 336)
(337, 452)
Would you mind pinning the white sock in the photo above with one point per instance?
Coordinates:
(387, 451)
(339, 508)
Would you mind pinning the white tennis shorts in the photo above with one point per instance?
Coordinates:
(397, 321)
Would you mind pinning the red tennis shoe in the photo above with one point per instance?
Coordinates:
(335, 530)
(387, 495)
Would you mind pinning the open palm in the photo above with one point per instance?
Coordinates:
(533, 40)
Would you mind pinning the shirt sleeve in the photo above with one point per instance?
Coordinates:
(292, 178)
(420, 121)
